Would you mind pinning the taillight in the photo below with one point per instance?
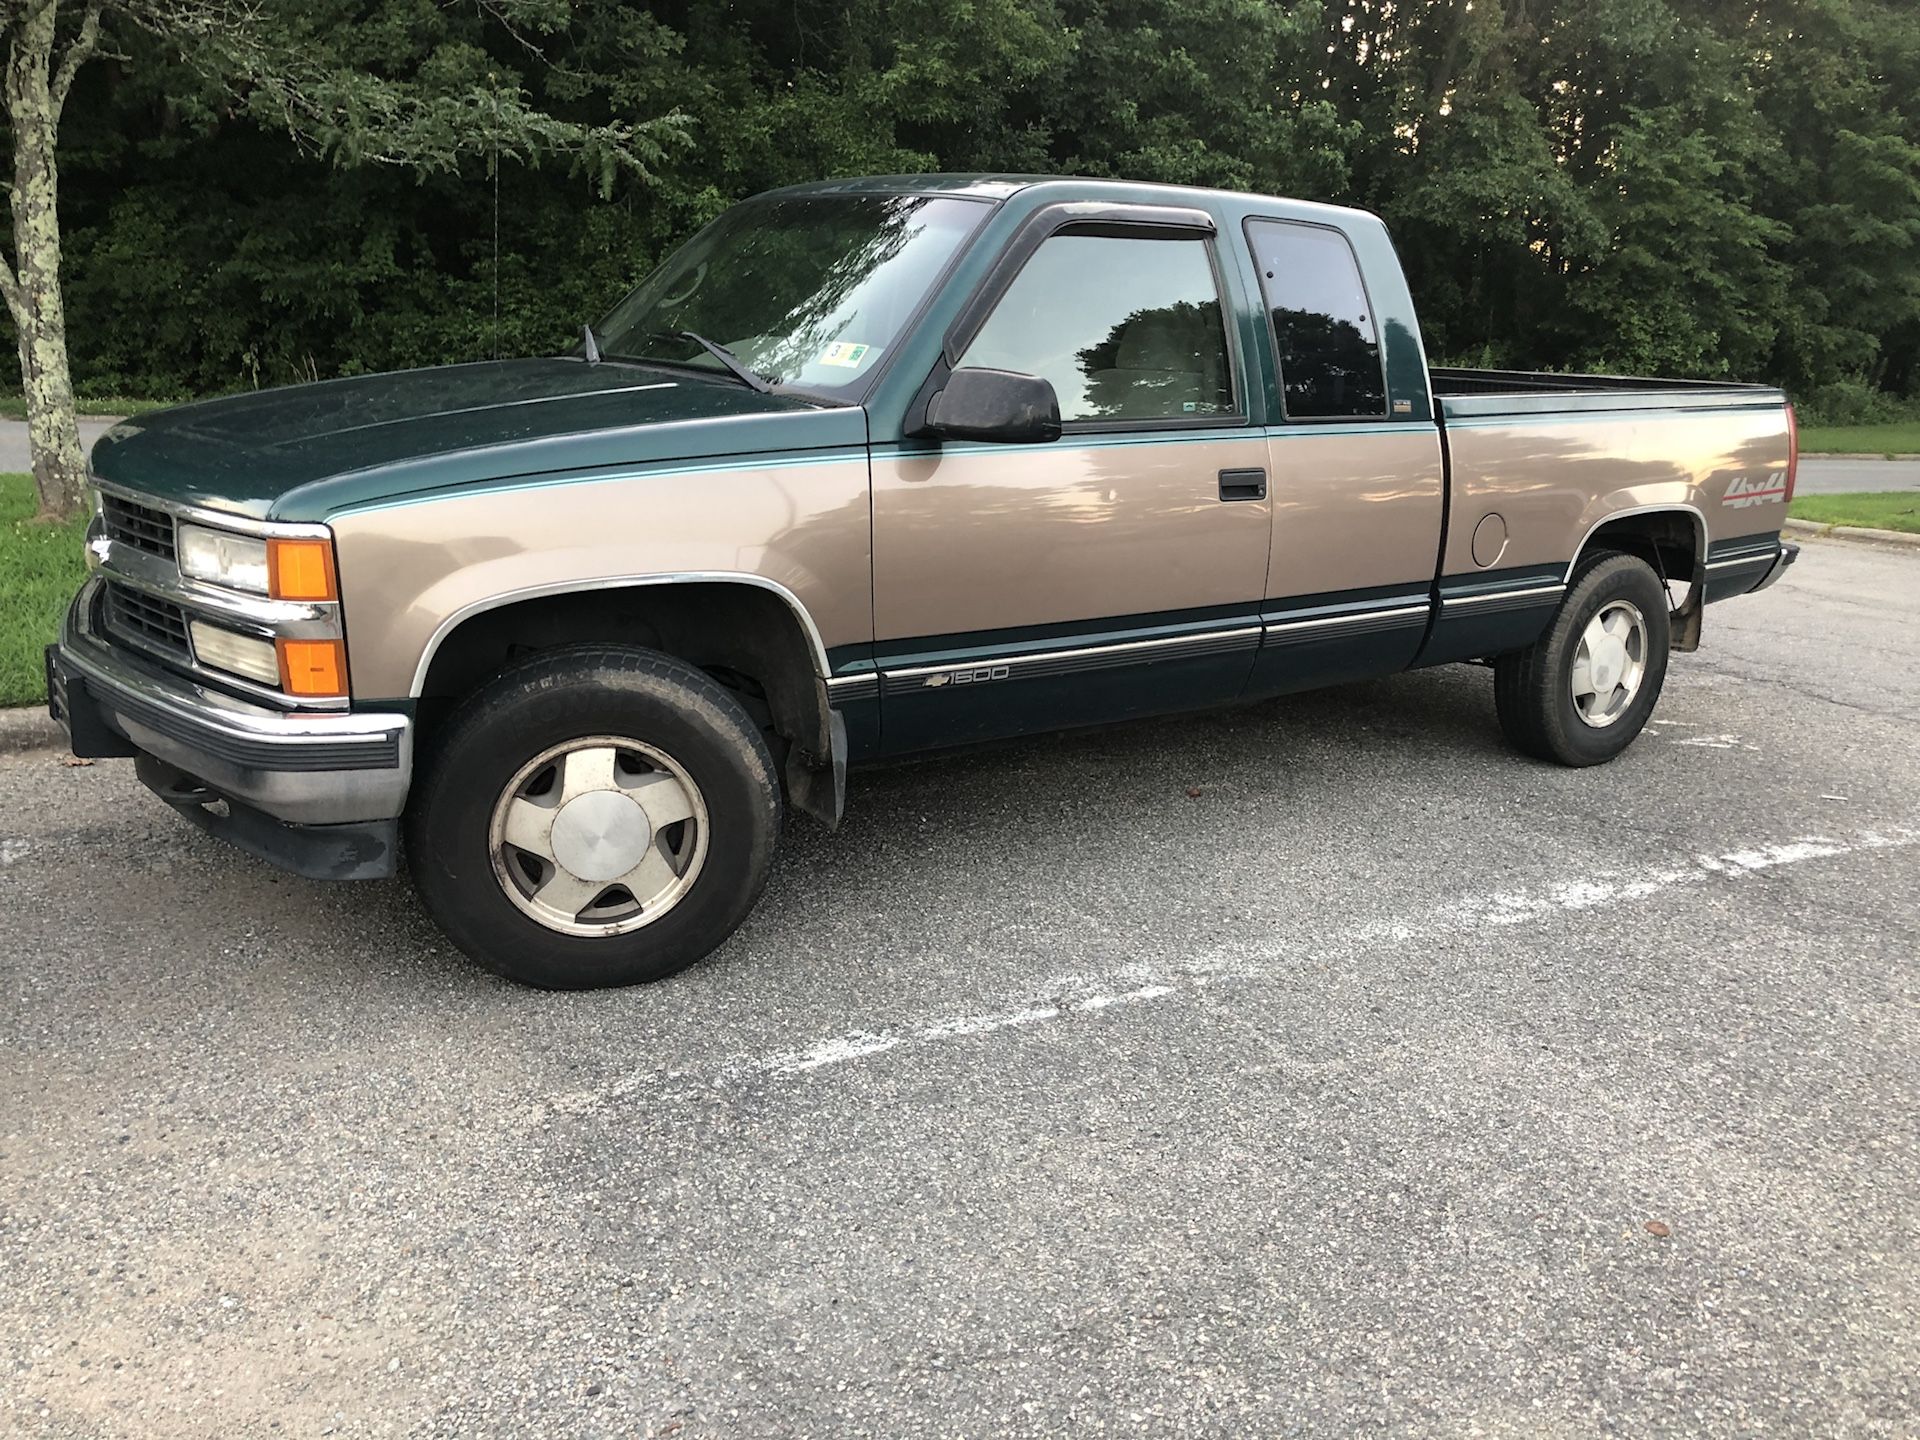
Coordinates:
(1793, 450)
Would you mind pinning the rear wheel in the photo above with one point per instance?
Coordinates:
(1582, 692)
(594, 816)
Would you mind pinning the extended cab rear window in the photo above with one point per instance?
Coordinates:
(1324, 333)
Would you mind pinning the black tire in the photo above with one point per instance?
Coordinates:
(1532, 688)
(563, 695)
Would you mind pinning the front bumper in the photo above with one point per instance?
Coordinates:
(295, 770)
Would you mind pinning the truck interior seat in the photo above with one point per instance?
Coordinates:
(1167, 363)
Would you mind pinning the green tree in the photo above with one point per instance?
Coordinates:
(1710, 187)
(43, 56)
(1839, 84)
(360, 85)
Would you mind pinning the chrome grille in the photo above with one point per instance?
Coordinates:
(139, 526)
(146, 621)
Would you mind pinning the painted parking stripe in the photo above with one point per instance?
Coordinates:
(1073, 995)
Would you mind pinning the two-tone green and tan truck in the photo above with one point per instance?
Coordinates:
(870, 468)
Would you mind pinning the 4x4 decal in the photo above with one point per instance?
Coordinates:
(1746, 490)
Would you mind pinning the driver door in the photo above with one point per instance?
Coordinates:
(1114, 572)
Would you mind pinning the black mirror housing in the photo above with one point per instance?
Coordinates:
(981, 404)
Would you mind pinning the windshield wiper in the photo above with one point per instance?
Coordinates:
(725, 356)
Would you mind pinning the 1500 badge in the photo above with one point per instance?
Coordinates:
(968, 677)
(1745, 490)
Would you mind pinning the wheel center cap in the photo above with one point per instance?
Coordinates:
(601, 835)
(1609, 661)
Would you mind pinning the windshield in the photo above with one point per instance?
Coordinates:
(809, 291)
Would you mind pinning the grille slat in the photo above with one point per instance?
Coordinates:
(140, 526)
(147, 621)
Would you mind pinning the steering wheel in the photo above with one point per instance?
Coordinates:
(685, 293)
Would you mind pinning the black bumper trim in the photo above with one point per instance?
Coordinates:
(367, 850)
(71, 695)
(90, 735)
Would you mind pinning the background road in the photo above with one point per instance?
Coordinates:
(1046, 1097)
(17, 456)
(1819, 476)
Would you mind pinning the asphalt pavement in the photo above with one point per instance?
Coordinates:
(1821, 475)
(1306, 1069)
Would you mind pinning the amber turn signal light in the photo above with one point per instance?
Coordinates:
(313, 668)
(301, 570)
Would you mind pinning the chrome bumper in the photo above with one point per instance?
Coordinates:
(1789, 552)
(299, 767)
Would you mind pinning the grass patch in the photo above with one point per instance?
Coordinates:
(14, 407)
(1899, 438)
(41, 566)
(1875, 509)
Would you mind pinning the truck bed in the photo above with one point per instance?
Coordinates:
(1487, 394)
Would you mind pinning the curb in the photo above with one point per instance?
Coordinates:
(1859, 534)
(30, 727)
(1853, 455)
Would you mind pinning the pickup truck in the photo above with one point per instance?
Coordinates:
(870, 468)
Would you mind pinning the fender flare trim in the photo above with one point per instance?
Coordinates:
(1670, 508)
(618, 582)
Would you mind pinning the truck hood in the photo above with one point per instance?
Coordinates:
(304, 451)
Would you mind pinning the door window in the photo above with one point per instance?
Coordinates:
(1324, 333)
(1125, 328)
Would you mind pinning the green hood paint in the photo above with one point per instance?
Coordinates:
(306, 451)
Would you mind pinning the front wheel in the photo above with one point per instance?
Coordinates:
(1581, 693)
(594, 816)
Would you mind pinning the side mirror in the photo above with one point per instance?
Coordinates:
(982, 404)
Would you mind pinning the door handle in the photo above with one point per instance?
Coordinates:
(1243, 484)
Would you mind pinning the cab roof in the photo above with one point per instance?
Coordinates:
(994, 187)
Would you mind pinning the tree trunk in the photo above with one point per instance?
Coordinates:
(33, 290)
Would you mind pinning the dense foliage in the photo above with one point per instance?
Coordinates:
(1689, 187)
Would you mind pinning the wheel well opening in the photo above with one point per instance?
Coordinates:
(1669, 541)
(746, 638)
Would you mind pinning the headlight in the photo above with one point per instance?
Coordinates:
(222, 558)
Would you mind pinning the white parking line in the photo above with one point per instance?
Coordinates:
(1516, 907)
(1716, 742)
(859, 1044)
(1071, 995)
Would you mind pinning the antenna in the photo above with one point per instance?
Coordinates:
(495, 137)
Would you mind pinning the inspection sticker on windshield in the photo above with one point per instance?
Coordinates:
(845, 353)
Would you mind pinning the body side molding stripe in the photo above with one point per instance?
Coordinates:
(1743, 550)
(1288, 611)
(1323, 619)
(1504, 599)
(1036, 665)
(1768, 540)
(1361, 622)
